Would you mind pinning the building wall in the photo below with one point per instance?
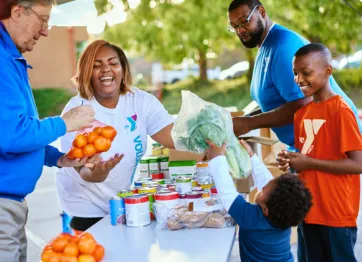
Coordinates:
(54, 57)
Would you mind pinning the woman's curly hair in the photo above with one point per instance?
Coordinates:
(289, 202)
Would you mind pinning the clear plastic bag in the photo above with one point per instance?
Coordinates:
(199, 120)
(207, 213)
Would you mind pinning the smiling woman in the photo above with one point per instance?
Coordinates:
(104, 81)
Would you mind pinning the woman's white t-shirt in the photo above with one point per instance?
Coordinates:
(137, 115)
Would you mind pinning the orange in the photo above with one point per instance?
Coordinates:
(80, 141)
(75, 240)
(66, 236)
(55, 257)
(97, 130)
(77, 152)
(59, 244)
(66, 258)
(70, 154)
(108, 132)
(86, 235)
(46, 255)
(91, 136)
(86, 258)
(71, 249)
(98, 253)
(87, 245)
(89, 150)
(102, 144)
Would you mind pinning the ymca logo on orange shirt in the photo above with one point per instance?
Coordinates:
(311, 128)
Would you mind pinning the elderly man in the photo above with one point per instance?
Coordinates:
(24, 138)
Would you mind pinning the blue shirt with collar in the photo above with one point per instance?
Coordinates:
(24, 139)
(259, 240)
(273, 83)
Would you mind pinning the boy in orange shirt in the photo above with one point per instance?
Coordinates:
(330, 159)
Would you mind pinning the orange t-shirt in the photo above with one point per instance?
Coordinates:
(327, 130)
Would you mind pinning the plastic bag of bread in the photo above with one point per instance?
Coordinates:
(208, 213)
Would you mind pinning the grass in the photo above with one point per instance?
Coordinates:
(225, 93)
(51, 101)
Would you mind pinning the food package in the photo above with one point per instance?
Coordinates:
(199, 120)
(90, 141)
(206, 213)
(66, 247)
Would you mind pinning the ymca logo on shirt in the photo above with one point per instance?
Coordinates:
(132, 123)
(311, 128)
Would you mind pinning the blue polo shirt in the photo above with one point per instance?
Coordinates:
(259, 240)
(24, 138)
(273, 83)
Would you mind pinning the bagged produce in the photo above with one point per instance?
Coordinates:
(206, 213)
(90, 141)
(199, 120)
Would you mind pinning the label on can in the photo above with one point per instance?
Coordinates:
(151, 200)
(137, 210)
(117, 211)
(124, 193)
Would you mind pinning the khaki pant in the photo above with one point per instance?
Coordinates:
(13, 217)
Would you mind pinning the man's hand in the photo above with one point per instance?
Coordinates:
(97, 171)
(242, 125)
(79, 118)
(214, 151)
(247, 147)
(297, 161)
(64, 161)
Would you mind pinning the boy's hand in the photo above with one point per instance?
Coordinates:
(247, 147)
(283, 160)
(214, 151)
(297, 161)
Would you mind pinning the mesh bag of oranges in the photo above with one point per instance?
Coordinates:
(92, 140)
(68, 248)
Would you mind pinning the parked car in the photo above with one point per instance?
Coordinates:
(235, 71)
(181, 73)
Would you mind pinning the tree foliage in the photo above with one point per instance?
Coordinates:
(171, 30)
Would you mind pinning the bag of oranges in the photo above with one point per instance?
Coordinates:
(68, 248)
(90, 141)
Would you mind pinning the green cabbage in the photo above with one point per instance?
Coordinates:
(214, 123)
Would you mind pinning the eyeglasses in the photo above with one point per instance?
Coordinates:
(233, 29)
(45, 22)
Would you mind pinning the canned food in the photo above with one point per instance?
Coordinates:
(169, 199)
(159, 181)
(124, 193)
(172, 188)
(197, 188)
(205, 194)
(146, 190)
(117, 210)
(206, 187)
(138, 183)
(183, 184)
(137, 210)
(213, 190)
(157, 176)
(144, 168)
(193, 196)
(151, 200)
(194, 183)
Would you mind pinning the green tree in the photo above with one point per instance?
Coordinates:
(170, 31)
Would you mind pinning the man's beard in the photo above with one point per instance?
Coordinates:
(255, 36)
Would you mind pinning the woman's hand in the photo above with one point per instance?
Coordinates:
(96, 170)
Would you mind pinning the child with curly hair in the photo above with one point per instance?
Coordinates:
(264, 227)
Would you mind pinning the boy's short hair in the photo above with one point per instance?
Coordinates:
(289, 202)
(322, 50)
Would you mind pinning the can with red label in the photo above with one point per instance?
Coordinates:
(137, 210)
(157, 176)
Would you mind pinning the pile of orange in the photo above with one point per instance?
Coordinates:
(67, 248)
(88, 144)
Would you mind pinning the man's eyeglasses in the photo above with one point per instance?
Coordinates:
(233, 28)
(44, 22)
